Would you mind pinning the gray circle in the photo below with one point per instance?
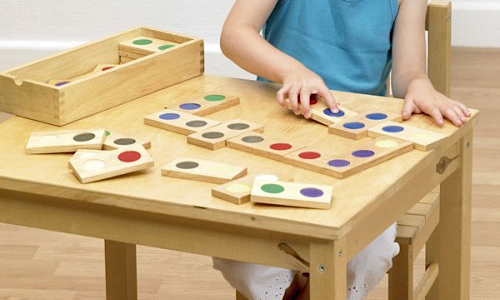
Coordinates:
(196, 123)
(124, 141)
(212, 135)
(238, 126)
(84, 137)
(252, 139)
(187, 165)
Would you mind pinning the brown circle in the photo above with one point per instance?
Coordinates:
(196, 123)
(238, 126)
(187, 165)
(252, 139)
(84, 137)
(124, 141)
(212, 135)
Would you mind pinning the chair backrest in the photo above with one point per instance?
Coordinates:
(438, 26)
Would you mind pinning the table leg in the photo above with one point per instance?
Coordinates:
(453, 236)
(121, 271)
(328, 270)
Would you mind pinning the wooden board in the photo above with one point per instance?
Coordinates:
(291, 194)
(357, 126)
(62, 141)
(364, 155)
(179, 122)
(215, 137)
(321, 113)
(423, 139)
(262, 145)
(116, 140)
(145, 45)
(202, 170)
(93, 166)
(206, 105)
(238, 191)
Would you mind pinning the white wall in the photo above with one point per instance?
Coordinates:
(33, 28)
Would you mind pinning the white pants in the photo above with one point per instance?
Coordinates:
(364, 271)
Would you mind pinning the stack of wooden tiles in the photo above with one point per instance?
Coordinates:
(141, 46)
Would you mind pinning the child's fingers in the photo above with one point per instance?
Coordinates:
(330, 100)
(281, 96)
(464, 109)
(436, 114)
(408, 108)
(293, 95)
(305, 96)
(451, 115)
(460, 114)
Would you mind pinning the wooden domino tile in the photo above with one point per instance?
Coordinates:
(206, 105)
(215, 137)
(90, 166)
(124, 60)
(65, 141)
(130, 55)
(202, 170)
(364, 155)
(262, 145)
(179, 122)
(115, 140)
(238, 191)
(357, 127)
(291, 194)
(421, 138)
(145, 45)
(321, 113)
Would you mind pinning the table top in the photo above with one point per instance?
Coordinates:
(148, 191)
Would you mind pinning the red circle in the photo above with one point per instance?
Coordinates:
(129, 156)
(309, 155)
(106, 68)
(280, 146)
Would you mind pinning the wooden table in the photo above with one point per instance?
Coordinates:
(148, 209)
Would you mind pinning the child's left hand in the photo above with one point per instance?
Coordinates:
(421, 97)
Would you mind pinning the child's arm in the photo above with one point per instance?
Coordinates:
(242, 43)
(409, 78)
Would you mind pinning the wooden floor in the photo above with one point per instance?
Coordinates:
(38, 264)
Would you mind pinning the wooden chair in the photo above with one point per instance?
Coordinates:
(416, 227)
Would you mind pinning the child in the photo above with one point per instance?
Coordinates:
(312, 46)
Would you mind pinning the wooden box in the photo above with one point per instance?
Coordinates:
(25, 91)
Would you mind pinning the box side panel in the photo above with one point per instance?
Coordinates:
(136, 79)
(165, 35)
(76, 61)
(29, 100)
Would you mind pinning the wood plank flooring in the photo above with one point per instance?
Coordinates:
(44, 265)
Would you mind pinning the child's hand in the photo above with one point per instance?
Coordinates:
(422, 97)
(299, 86)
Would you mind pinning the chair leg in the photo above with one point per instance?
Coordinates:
(239, 296)
(401, 275)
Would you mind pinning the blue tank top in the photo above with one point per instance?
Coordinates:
(347, 42)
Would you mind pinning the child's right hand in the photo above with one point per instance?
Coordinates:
(298, 86)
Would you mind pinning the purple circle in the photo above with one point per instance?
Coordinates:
(169, 116)
(61, 83)
(376, 116)
(393, 128)
(330, 113)
(189, 106)
(339, 163)
(311, 192)
(363, 153)
(354, 125)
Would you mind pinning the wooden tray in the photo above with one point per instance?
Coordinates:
(25, 91)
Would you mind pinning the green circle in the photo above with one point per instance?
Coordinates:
(107, 133)
(163, 47)
(214, 97)
(142, 42)
(272, 188)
